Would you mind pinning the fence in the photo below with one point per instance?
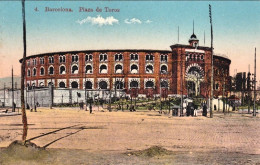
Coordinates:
(45, 97)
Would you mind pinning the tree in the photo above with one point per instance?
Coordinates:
(24, 117)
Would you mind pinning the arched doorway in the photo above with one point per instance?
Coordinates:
(194, 77)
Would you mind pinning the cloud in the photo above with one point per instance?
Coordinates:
(99, 20)
(148, 21)
(133, 21)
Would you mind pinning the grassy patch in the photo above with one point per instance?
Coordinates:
(17, 151)
(153, 151)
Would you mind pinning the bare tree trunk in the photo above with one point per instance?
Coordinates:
(24, 118)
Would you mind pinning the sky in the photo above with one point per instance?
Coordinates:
(131, 25)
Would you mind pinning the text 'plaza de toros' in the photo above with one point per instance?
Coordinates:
(142, 73)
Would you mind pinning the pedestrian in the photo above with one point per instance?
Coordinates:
(195, 113)
(192, 110)
(35, 108)
(204, 112)
(127, 106)
(90, 108)
(188, 110)
(27, 106)
(81, 105)
(14, 107)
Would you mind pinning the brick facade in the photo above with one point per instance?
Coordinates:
(187, 66)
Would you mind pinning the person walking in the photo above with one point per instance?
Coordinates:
(204, 112)
(14, 107)
(188, 109)
(90, 108)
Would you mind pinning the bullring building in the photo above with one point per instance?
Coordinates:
(141, 72)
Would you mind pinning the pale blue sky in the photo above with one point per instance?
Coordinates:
(236, 28)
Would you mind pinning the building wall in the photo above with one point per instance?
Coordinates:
(177, 65)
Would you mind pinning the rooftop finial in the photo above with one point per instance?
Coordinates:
(193, 26)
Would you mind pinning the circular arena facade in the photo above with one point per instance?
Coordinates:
(185, 69)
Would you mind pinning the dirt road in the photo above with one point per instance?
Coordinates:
(107, 135)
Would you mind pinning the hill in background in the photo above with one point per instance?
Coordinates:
(8, 82)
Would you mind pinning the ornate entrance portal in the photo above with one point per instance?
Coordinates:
(194, 77)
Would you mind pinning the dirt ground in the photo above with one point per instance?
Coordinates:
(73, 136)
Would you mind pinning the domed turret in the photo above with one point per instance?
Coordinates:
(194, 42)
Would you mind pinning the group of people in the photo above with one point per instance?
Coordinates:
(192, 111)
(81, 106)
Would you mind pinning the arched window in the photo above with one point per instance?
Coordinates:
(28, 72)
(149, 84)
(41, 60)
(34, 71)
(88, 57)
(164, 58)
(103, 68)
(149, 57)
(51, 59)
(88, 85)
(118, 57)
(34, 61)
(102, 85)
(74, 84)
(118, 68)
(62, 58)
(164, 84)
(217, 86)
(149, 69)
(133, 56)
(62, 70)
(42, 71)
(88, 69)
(103, 57)
(134, 68)
(62, 84)
(74, 69)
(51, 70)
(134, 84)
(74, 58)
(163, 69)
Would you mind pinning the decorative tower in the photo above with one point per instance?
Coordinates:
(194, 42)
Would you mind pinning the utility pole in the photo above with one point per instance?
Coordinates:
(13, 90)
(84, 71)
(181, 110)
(178, 34)
(248, 89)
(204, 38)
(4, 95)
(212, 72)
(24, 118)
(223, 94)
(254, 109)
